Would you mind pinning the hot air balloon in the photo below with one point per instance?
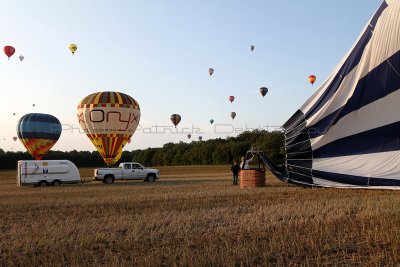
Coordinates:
(231, 98)
(263, 91)
(233, 115)
(13, 114)
(21, 57)
(73, 48)
(175, 118)
(189, 136)
(252, 47)
(15, 138)
(211, 121)
(109, 119)
(117, 158)
(38, 133)
(200, 138)
(312, 79)
(211, 71)
(33, 105)
(9, 51)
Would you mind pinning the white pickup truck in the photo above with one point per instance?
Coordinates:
(126, 171)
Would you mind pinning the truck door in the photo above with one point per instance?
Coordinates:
(127, 171)
(137, 172)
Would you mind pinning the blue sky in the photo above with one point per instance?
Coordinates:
(159, 52)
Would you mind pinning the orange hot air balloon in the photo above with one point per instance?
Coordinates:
(312, 79)
(9, 51)
(231, 98)
(210, 71)
(175, 118)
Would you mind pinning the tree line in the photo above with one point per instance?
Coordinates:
(211, 152)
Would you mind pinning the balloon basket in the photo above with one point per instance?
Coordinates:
(252, 178)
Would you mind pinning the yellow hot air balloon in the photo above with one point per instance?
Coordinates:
(73, 48)
(109, 119)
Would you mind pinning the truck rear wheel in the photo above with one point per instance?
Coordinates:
(151, 178)
(42, 183)
(108, 179)
(56, 183)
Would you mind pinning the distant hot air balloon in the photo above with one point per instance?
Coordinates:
(263, 91)
(175, 118)
(109, 119)
(210, 71)
(9, 51)
(13, 114)
(312, 79)
(200, 138)
(15, 138)
(231, 98)
(189, 136)
(73, 48)
(252, 47)
(33, 105)
(211, 121)
(38, 133)
(233, 115)
(21, 57)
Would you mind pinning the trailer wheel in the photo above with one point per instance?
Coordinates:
(56, 183)
(43, 184)
(151, 178)
(108, 179)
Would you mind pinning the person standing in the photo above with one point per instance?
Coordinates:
(235, 169)
(245, 164)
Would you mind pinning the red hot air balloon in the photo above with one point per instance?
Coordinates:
(312, 79)
(231, 98)
(9, 51)
(175, 118)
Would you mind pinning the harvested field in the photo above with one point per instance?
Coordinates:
(194, 216)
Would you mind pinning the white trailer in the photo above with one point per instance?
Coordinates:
(47, 172)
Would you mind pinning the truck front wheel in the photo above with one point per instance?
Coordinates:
(151, 178)
(108, 179)
(42, 183)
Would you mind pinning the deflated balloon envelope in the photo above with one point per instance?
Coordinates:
(109, 119)
(38, 133)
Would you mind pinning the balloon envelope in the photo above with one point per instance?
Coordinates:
(73, 48)
(263, 91)
(200, 138)
(312, 79)
(231, 98)
(175, 118)
(15, 138)
(21, 57)
(210, 71)
(252, 47)
(211, 121)
(189, 136)
(9, 51)
(109, 119)
(233, 115)
(38, 133)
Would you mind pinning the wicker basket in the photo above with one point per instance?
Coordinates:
(252, 178)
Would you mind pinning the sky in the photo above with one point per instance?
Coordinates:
(159, 52)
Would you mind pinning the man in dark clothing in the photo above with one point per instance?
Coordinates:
(235, 169)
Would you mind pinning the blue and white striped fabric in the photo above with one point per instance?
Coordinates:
(348, 133)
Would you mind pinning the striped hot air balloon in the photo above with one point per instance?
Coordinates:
(109, 119)
(347, 133)
(38, 133)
